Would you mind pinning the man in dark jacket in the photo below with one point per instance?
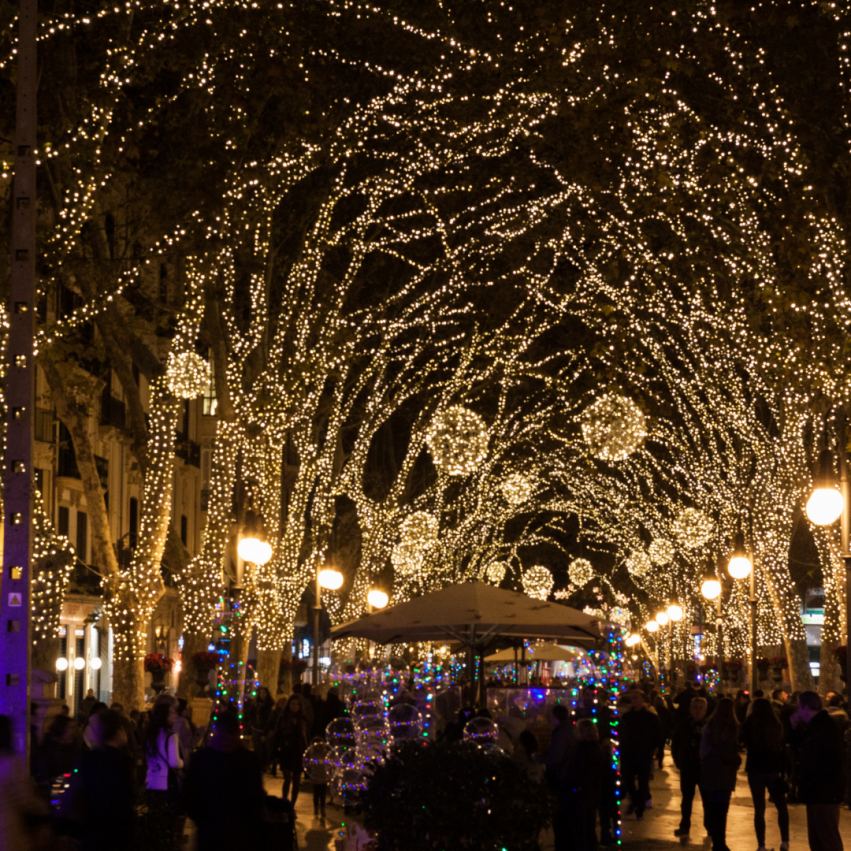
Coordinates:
(682, 701)
(685, 749)
(818, 746)
(641, 734)
(555, 760)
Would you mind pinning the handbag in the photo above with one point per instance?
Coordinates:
(174, 779)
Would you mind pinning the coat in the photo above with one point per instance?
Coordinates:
(583, 774)
(641, 734)
(685, 745)
(819, 750)
(761, 760)
(719, 762)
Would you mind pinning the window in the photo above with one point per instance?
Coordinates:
(210, 401)
(82, 534)
(64, 520)
(184, 528)
(134, 521)
(39, 480)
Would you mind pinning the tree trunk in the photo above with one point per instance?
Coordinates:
(829, 669)
(187, 686)
(268, 668)
(286, 671)
(128, 674)
(800, 672)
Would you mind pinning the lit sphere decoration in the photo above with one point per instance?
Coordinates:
(458, 441)
(367, 711)
(538, 582)
(581, 571)
(187, 374)
(340, 734)
(496, 571)
(824, 506)
(711, 588)
(613, 427)
(638, 563)
(373, 738)
(405, 721)
(516, 489)
(482, 731)
(317, 756)
(661, 552)
(740, 567)
(692, 528)
(349, 784)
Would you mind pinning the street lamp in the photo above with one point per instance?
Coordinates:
(825, 506)
(651, 626)
(252, 546)
(741, 567)
(332, 580)
(675, 612)
(377, 598)
(662, 618)
(711, 590)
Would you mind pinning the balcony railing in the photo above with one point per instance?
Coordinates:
(112, 411)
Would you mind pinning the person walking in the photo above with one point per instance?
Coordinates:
(20, 808)
(162, 752)
(641, 734)
(555, 760)
(818, 747)
(224, 791)
(685, 750)
(581, 786)
(762, 735)
(719, 762)
(318, 773)
(259, 721)
(291, 743)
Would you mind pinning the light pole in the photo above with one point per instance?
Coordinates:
(375, 599)
(711, 590)
(675, 615)
(741, 567)
(664, 621)
(332, 580)
(825, 506)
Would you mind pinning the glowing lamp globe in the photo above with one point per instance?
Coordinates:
(662, 619)
(675, 612)
(96, 663)
(254, 550)
(824, 506)
(632, 640)
(740, 567)
(377, 599)
(61, 664)
(330, 579)
(652, 626)
(79, 663)
(711, 589)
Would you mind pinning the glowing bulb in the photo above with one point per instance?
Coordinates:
(651, 626)
(824, 506)
(662, 619)
(675, 612)
(96, 663)
(377, 599)
(79, 663)
(740, 567)
(711, 589)
(632, 640)
(330, 579)
(61, 664)
(254, 550)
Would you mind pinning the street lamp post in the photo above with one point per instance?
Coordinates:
(827, 504)
(332, 580)
(741, 567)
(711, 590)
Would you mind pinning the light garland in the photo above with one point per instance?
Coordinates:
(538, 582)
(692, 528)
(457, 440)
(188, 374)
(581, 571)
(614, 427)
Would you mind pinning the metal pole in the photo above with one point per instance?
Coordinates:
(719, 636)
(15, 644)
(845, 523)
(752, 625)
(317, 608)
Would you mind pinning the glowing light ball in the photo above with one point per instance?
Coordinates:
(330, 579)
(317, 758)
(825, 506)
(638, 563)
(495, 572)
(61, 664)
(581, 571)
(365, 711)
(349, 784)
(516, 489)
(711, 588)
(692, 528)
(613, 427)
(340, 734)
(458, 441)
(651, 626)
(740, 567)
(538, 582)
(675, 612)
(661, 552)
(373, 739)
(482, 731)
(405, 721)
(377, 599)
(254, 550)
(187, 374)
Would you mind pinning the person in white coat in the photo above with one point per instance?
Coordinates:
(162, 752)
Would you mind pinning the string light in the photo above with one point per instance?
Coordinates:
(581, 571)
(614, 427)
(538, 582)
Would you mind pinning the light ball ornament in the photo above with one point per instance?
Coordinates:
(661, 552)
(61, 664)
(675, 612)
(613, 427)
(457, 440)
(538, 582)
(711, 588)
(692, 528)
(495, 572)
(638, 563)
(187, 374)
(740, 567)
(824, 506)
(652, 626)
(581, 571)
(516, 489)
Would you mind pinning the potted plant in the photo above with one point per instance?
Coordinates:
(841, 656)
(778, 663)
(732, 668)
(691, 671)
(762, 665)
(202, 663)
(158, 665)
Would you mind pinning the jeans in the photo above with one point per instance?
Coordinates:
(716, 803)
(632, 767)
(582, 817)
(776, 787)
(688, 788)
(823, 827)
(320, 790)
(260, 747)
(293, 777)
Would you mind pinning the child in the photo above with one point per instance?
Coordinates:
(316, 764)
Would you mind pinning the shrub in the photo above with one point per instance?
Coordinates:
(449, 796)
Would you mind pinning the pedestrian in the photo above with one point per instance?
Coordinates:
(685, 750)
(224, 791)
(318, 773)
(334, 707)
(818, 748)
(666, 722)
(86, 705)
(20, 808)
(580, 789)
(641, 735)
(555, 762)
(59, 751)
(258, 721)
(291, 743)
(742, 704)
(90, 723)
(762, 735)
(719, 762)
(270, 730)
(101, 799)
(835, 707)
(185, 730)
(525, 755)
(162, 752)
(682, 701)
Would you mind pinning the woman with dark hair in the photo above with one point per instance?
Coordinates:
(162, 752)
(261, 712)
(291, 743)
(762, 735)
(719, 762)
